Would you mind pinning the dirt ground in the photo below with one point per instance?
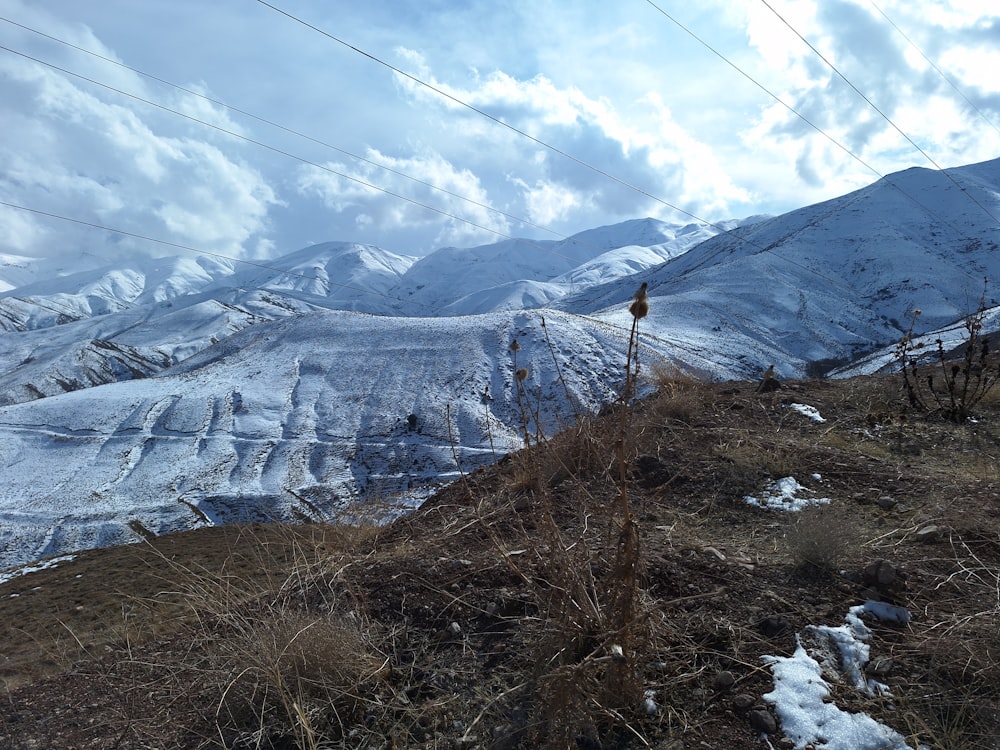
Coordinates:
(504, 613)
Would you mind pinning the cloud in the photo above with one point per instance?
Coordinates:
(549, 202)
(639, 144)
(624, 90)
(438, 192)
(881, 64)
(141, 173)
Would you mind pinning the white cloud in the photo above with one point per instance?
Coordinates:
(621, 88)
(548, 202)
(436, 183)
(640, 143)
(137, 172)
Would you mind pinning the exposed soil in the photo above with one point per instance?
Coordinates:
(490, 617)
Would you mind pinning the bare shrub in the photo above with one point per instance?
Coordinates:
(819, 539)
(953, 382)
(311, 675)
(679, 397)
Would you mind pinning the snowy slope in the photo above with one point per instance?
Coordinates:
(344, 275)
(830, 281)
(60, 299)
(291, 419)
(459, 281)
(137, 342)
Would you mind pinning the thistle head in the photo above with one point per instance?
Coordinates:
(640, 303)
(514, 346)
(521, 375)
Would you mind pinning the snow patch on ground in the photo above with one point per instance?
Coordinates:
(786, 494)
(801, 691)
(10, 575)
(809, 411)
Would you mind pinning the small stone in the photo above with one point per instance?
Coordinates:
(881, 574)
(743, 702)
(649, 706)
(774, 626)
(761, 720)
(879, 667)
(886, 502)
(929, 533)
(454, 630)
(724, 680)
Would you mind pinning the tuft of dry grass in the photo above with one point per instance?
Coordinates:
(820, 538)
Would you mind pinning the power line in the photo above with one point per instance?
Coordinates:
(375, 187)
(286, 129)
(806, 120)
(337, 172)
(938, 70)
(275, 149)
(322, 167)
(538, 141)
(237, 135)
(451, 97)
(879, 111)
(201, 251)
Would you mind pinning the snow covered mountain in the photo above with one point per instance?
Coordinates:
(182, 392)
(297, 418)
(830, 281)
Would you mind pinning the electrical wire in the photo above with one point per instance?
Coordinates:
(286, 129)
(524, 134)
(937, 70)
(365, 183)
(261, 144)
(882, 114)
(202, 251)
(846, 149)
(440, 92)
(454, 99)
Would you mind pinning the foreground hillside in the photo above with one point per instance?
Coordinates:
(492, 617)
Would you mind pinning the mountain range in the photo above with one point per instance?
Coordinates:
(180, 392)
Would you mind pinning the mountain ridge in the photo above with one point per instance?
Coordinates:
(254, 396)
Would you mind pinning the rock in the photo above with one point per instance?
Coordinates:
(883, 577)
(774, 626)
(761, 720)
(724, 680)
(929, 533)
(743, 702)
(454, 630)
(886, 502)
(879, 667)
(649, 706)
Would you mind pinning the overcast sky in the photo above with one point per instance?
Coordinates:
(618, 86)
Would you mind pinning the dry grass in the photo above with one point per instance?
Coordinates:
(488, 617)
(820, 538)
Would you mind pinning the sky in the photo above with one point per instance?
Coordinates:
(414, 126)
